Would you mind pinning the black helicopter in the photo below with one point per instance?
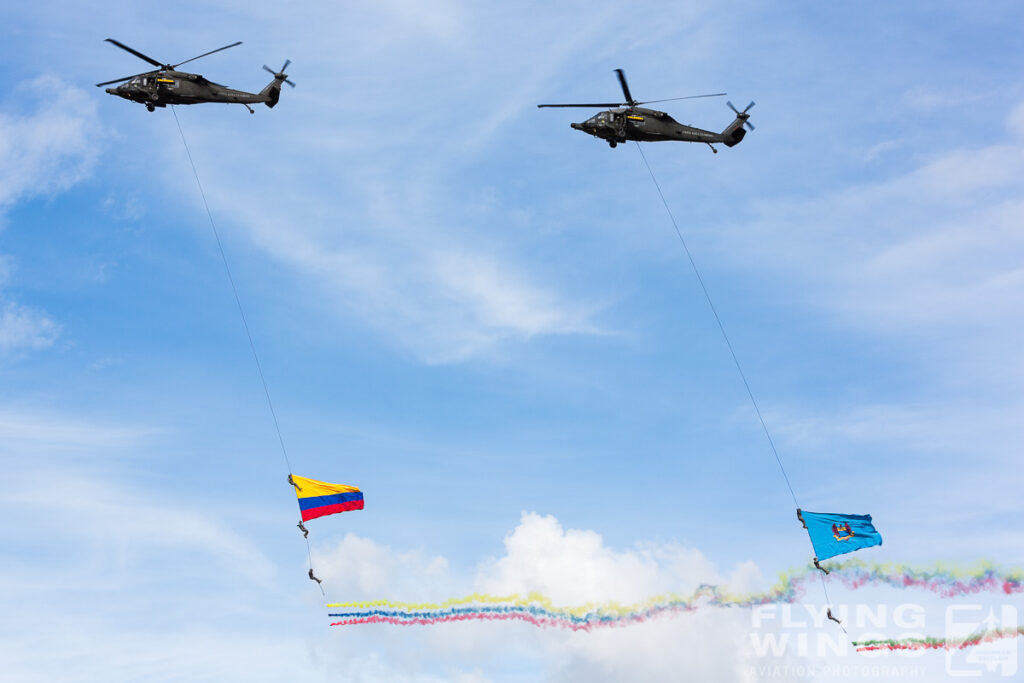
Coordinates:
(629, 121)
(166, 85)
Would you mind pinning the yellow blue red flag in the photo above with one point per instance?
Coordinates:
(318, 498)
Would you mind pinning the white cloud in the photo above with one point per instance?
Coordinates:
(50, 148)
(22, 327)
(82, 648)
(931, 258)
(373, 209)
(925, 98)
(358, 566)
(131, 527)
(42, 152)
(937, 427)
(24, 430)
(1015, 121)
(435, 289)
(572, 567)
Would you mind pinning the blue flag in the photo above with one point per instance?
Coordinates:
(834, 534)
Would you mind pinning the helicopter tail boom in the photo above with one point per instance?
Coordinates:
(732, 135)
(271, 94)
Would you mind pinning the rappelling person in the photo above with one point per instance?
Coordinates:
(313, 578)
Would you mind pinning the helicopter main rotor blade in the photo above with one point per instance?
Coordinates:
(596, 104)
(136, 53)
(688, 97)
(118, 80)
(175, 66)
(625, 88)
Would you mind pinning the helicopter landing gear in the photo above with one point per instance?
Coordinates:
(247, 107)
(712, 148)
(150, 106)
(612, 143)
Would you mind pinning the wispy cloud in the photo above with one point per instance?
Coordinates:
(370, 205)
(22, 327)
(43, 150)
(932, 256)
(23, 429)
(940, 426)
(49, 147)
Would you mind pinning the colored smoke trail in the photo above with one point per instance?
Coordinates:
(539, 610)
(939, 643)
(943, 580)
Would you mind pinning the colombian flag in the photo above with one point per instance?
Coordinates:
(318, 498)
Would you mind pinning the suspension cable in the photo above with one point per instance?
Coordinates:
(721, 327)
(241, 311)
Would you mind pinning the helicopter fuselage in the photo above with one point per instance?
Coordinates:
(649, 125)
(160, 88)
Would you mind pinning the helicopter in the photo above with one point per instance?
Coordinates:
(166, 85)
(629, 121)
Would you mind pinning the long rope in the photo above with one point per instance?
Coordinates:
(234, 290)
(721, 327)
(241, 311)
(732, 352)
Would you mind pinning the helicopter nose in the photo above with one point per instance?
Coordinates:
(576, 126)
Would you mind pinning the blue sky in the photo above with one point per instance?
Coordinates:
(485, 320)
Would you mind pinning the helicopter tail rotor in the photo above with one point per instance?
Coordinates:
(743, 115)
(272, 93)
(280, 75)
(734, 133)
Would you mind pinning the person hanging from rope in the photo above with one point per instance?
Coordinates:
(318, 499)
(834, 534)
(302, 527)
